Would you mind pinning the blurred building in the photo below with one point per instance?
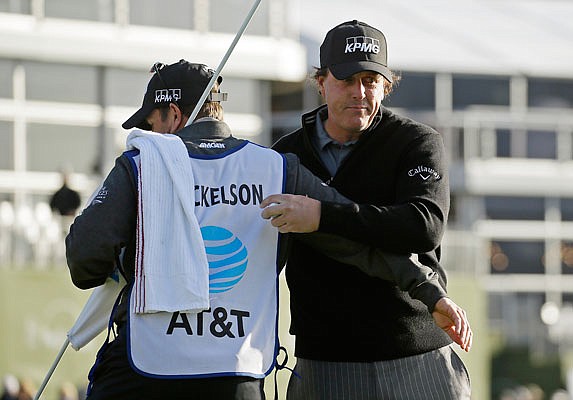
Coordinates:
(72, 71)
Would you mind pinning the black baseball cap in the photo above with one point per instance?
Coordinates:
(181, 83)
(352, 47)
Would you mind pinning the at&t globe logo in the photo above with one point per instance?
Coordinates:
(227, 257)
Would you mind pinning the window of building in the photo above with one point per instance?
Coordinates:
(455, 143)
(16, 6)
(512, 257)
(125, 87)
(550, 92)
(495, 306)
(535, 143)
(415, 91)
(567, 298)
(287, 96)
(61, 82)
(80, 9)
(223, 17)
(153, 13)
(6, 145)
(515, 208)
(567, 257)
(287, 105)
(6, 85)
(541, 144)
(469, 90)
(503, 143)
(566, 209)
(51, 146)
(244, 95)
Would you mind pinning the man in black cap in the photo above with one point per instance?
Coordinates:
(223, 352)
(357, 336)
(220, 352)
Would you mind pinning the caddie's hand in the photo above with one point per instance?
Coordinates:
(292, 213)
(452, 319)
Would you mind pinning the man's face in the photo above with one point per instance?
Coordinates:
(352, 103)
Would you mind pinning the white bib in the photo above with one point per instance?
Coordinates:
(238, 335)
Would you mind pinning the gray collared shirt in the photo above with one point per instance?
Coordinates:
(330, 151)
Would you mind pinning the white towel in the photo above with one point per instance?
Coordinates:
(171, 271)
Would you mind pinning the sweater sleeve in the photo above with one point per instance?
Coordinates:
(420, 281)
(415, 221)
(103, 228)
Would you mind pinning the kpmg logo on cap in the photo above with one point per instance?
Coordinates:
(227, 257)
(167, 95)
(364, 44)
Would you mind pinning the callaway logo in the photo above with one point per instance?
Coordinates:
(100, 197)
(424, 172)
(211, 145)
(362, 43)
(167, 95)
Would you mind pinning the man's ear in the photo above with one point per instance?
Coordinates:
(176, 110)
(177, 118)
(320, 84)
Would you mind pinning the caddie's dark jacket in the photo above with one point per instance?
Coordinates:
(397, 176)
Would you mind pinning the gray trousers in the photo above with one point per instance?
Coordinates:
(436, 375)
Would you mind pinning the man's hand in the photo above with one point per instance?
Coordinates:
(452, 319)
(292, 213)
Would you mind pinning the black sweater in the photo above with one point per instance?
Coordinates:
(397, 176)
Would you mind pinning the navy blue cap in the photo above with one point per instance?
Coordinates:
(181, 83)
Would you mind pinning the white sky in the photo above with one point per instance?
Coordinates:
(533, 37)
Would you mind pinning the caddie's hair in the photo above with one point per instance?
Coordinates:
(212, 109)
(388, 86)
